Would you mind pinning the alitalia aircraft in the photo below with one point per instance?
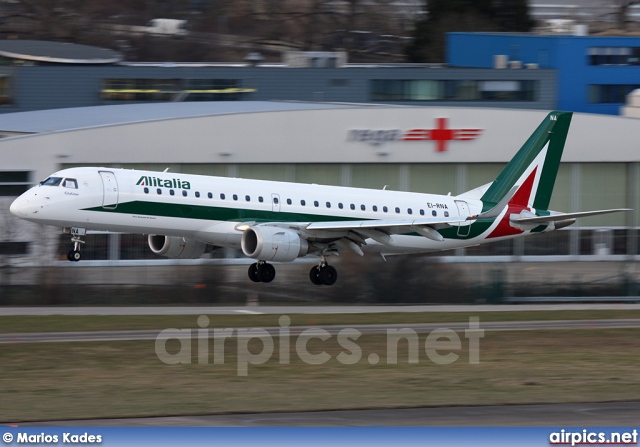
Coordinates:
(186, 216)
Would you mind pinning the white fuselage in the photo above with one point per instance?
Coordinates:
(210, 209)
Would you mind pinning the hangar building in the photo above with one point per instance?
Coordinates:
(338, 144)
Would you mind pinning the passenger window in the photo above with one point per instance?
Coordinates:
(260, 199)
(316, 203)
(184, 193)
(422, 212)
(340, 205)
(70, 183)
(385, 209)
(288, 201)
(328, 204)
(159, 191)
(210, 195)
(375, 208)
(397, 210)
(197, 194)
(247, 198)
(172, 192)
(434, 213)
(303, 203)
(275, 200)
(446, 214)
(409, 210)
(146, 190)
(235, 197)
(222, 196)
(362, 207)
(352, 206)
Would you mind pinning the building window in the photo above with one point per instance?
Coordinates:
(610, 93)
(5, 91)
(613, 56)
(143, 89)
(14, 248)
(14, 183)
(454, 90)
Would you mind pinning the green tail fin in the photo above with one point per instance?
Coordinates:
(553, 130)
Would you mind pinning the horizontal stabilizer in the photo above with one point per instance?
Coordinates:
(563, 216)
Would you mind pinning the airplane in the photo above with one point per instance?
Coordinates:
(187, 216)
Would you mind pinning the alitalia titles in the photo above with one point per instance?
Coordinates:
(176, 183)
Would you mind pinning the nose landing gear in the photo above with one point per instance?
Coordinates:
(74, 254)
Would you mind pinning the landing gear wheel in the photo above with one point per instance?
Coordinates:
(253, 272)
(328, 275)
(266, 272)
(314, 275)
(74, 255)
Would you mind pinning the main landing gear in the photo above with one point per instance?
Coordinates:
(261, 272)
(323, 274)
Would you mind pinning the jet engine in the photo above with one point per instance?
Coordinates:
(178, 247)
(267, 243)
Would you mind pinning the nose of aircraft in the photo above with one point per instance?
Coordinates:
(18, 207)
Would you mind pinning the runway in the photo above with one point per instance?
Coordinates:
(565, 415)
(290, 310)
(369, 329)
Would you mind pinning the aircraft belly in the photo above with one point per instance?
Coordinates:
(412, 244)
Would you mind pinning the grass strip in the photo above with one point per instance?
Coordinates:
(71, 323)
(61, 381)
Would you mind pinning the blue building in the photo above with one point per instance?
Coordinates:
(594, 74)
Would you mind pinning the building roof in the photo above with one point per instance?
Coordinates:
(57, 52)
(83, 117)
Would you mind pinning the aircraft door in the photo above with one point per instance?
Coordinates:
(275, 203)
(463, 210)
(109, 190)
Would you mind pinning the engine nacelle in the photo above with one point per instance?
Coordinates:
(267, 243)
(178, 247)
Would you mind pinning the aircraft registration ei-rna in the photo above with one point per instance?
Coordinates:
(186, 216)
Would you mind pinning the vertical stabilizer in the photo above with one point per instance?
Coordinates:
(535, 166)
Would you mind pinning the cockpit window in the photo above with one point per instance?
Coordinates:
(52, 181)
(70, 183)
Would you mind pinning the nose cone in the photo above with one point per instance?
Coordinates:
(18, 207)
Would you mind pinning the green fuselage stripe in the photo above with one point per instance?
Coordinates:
(212, 213)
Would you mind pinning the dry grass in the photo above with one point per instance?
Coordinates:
(59, 323)
(57, 381)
